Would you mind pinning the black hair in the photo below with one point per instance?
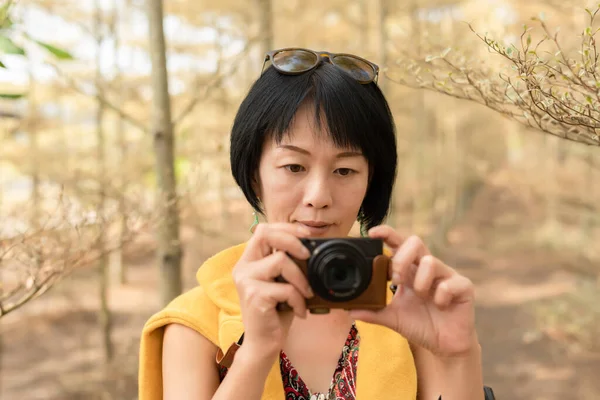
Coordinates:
(357, 116)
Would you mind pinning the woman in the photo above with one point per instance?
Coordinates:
(313, 149)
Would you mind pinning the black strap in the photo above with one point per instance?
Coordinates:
(489, 393)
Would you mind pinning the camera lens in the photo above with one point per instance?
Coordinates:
(339, 276)
(339, 271)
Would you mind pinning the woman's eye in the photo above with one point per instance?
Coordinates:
(294, 168)
(344, 171)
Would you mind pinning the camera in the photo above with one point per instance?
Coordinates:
(346, 273)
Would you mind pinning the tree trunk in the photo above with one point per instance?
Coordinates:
(103, 278)
(169, 246)
(589, 197)
(452, 181)
(117, 256)
(265, 17)
(34, 156)
(364, 25)
(419, 138)
(550, 230)
(393, 215)
(383, 39)
(35, 222)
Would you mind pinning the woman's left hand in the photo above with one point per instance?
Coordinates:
(433, 306)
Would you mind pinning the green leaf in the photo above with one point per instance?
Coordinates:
(11, 96)
(182, 167)
(2, 65)
(59, 53)
(7, 46)
(5, 22)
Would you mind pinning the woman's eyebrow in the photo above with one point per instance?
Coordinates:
(294, 148)
(349, 154)
(297, 149)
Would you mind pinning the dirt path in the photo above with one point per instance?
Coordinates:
(519, 361)
(51, 349)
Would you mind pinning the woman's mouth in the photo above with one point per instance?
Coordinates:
(316, 228)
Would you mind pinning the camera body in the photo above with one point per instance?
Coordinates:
(344, 273)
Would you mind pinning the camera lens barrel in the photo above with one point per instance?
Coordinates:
(339, 271)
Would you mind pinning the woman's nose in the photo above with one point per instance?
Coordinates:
(317, 193)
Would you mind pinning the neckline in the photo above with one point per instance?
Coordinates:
(342, 364)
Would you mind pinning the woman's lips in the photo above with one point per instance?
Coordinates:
(315, 228)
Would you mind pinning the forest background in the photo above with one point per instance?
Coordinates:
(115, 183)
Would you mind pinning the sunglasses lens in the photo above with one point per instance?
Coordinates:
(357, 68)
(294, 60)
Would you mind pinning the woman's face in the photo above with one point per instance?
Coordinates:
(307, 180)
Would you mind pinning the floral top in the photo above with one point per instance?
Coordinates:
(343, 382)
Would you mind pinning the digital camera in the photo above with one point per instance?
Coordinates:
(346, 273)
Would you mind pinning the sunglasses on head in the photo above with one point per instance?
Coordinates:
(295, 61)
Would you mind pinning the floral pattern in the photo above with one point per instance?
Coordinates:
(343, 382)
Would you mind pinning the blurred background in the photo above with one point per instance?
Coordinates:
(89, 249)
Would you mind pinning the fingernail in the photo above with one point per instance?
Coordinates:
(310, 292)
(305, 252)
(303, 230)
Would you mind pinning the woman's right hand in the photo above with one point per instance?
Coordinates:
(263, 260)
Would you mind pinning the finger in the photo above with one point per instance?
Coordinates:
(268, 237)
(389, 235)
(408, 254)
(429, 272)
(277, 265)
(457, 289)
(282, 293)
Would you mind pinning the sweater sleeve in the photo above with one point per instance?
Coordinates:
(193, 309)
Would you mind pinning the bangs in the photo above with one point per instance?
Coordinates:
(343, 109)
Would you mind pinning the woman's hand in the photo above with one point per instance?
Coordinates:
(433, 306)
(263, 260)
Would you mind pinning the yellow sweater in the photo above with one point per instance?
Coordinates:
(386, 368)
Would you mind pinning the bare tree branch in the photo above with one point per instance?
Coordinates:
(551, 91)
(34, 260)
(76, 86)
(202, 92)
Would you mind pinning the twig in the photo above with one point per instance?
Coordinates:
(75, 86)
(214, 83)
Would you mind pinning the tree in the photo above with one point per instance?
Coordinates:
(544, 86)
(104, 314)
(169, 246)
(32, 260)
